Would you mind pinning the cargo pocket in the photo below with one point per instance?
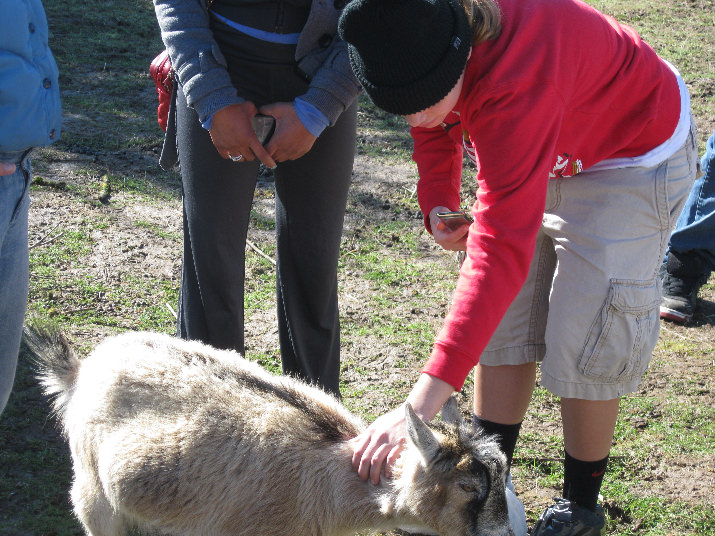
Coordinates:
(624, 333)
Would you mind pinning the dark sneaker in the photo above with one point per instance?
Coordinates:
(682, 277)
(569, 519)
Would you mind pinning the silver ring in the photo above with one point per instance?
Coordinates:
(236, 158)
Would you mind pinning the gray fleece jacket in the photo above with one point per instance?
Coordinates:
(201, 67)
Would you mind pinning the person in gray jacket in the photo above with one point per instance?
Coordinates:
(233, 60)
(31, 116)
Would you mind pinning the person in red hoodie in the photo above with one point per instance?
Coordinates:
(585, 149)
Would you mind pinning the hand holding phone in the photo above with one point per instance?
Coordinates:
(454, 220)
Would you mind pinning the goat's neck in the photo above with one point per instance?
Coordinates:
(377, 507)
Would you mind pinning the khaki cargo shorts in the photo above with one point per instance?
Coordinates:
(589, 308)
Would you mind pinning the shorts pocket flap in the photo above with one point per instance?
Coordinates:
(630, 296)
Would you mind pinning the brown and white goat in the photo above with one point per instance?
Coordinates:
(175, 437)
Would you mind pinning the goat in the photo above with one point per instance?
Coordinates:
(175, 437)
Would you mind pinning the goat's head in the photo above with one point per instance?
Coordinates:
(453, 480)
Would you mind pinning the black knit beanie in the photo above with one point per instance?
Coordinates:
(407, 54)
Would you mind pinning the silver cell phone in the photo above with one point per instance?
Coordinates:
(454, 220)
(264, 125)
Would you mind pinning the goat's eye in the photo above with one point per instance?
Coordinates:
(469, 488)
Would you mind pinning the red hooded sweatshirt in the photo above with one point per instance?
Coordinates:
(563, 88)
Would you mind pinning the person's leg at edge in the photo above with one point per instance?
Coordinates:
(695, 228)
(14, 271)
(691, 255)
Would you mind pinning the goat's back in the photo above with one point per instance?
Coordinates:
(136, 375)
(202, 440)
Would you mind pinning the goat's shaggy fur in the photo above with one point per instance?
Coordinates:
(175, 437)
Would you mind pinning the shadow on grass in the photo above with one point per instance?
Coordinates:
(704, 314)
(35, 466)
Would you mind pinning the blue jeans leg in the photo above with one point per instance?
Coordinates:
(14, 270)
(695, 229)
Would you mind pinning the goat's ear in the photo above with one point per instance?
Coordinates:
(450, 411)
(420, 434)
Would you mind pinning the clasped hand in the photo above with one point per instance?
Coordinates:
(232, 133)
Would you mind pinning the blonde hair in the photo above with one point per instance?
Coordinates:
(484, 19)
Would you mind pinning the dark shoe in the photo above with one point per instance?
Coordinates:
(682, 277)
(569, 519)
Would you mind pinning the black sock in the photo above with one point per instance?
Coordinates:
(582, 481)
(507, 434)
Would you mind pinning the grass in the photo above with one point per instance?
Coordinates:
(89, 259)
(383, 136)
